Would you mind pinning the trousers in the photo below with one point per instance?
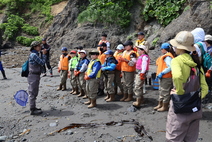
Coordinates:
(166, 85)
(128, 82)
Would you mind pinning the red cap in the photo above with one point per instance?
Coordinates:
(73, 52)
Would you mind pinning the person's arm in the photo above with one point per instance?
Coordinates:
(168, 64)
(95, 69)
(84, 66)
(144, 64)
(108, 45)
(37, 59)
(203, 84)
(111, 67)
(177, 77)
(133, 60)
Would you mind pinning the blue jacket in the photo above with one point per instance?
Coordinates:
(95, 69)
(109, 64)
(82, 65)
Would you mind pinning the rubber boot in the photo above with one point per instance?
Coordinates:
(124, 97)
(82, 93)
(76, 91)
(108, 96)
(129, 98)
(35, 111)
(60, 87)
(138, 102)
(64, 87)
(165, 107)
(73, 90)
(3, 74)
(112, 98)
(93, 103)
(85, 97)
(160, 103)
(88, 102)
(100, 92)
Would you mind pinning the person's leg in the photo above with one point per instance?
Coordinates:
(138, 90)
(165, 87)
(125, 89)
(73, 81)
(33, 88)
(110, 87)
(88, 83)
(93, 92)
(117, 81)
(2, 71)
(82, 84)
(49, 66)
(101, 85)
(61, 80)
(65, 76)
(130, 76)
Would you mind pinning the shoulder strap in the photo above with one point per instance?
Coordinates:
(199, 44)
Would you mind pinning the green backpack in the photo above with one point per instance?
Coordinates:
(206, 58)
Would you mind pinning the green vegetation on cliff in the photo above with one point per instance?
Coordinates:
(107, 12)
(18, 13)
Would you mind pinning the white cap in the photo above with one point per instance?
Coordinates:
(208, 37)
(120, 47)
(82, 51)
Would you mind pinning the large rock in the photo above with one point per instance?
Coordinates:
(199, 15)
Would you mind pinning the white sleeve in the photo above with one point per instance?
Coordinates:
(132, 62)
(144, 64)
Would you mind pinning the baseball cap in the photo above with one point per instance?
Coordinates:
(184, 40)
(64, 49)
(44, 39)
(140, 33)
(94, 52)
(82, 51)
(109, 52)
(105, 35)
(103, 44)
(73, 52)
(208, 37)
(128, 43)
(165, 46)
(120, 47)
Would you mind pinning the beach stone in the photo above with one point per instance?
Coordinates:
(53, 124)
(69, 132)
(3, 138)
(132, 109)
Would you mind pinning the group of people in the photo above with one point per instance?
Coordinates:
(126, 69)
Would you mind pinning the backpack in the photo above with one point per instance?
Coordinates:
(25, 69)
(206, 57)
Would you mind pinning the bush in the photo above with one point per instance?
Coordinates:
(30, 29)
(27, 41)
(163, 10)
(14, 22)
(107, 12)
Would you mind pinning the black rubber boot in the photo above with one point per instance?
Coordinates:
(35, 111)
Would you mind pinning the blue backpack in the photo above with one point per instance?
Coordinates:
(25, 69)
(206, 57)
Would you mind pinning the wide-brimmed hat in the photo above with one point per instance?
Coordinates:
(142, 47)
(34, 44)
(184, 40)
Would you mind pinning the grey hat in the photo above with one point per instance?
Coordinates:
(34, 44)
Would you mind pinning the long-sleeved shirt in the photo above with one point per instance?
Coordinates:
(95, 69)
(167, 60)
(109, 64)
(144, 64)
(34, 58)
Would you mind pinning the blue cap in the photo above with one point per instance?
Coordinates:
(165, 46)
(109, 52)
(64, 49)
(21, 97)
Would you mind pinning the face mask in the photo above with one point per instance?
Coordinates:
(65, 54)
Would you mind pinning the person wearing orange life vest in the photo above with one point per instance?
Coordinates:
(102, 57)
(104, 40)
(142, 67)
(128, 68)
(63, 68)
(164, 74)
(117, 79)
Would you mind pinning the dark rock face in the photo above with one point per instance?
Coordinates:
(199, 15)
(65, 31)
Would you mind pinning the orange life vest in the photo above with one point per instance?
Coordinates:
(124, 65)
(118, 56)
(162, 65)
(63, 64)
(102, 58)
